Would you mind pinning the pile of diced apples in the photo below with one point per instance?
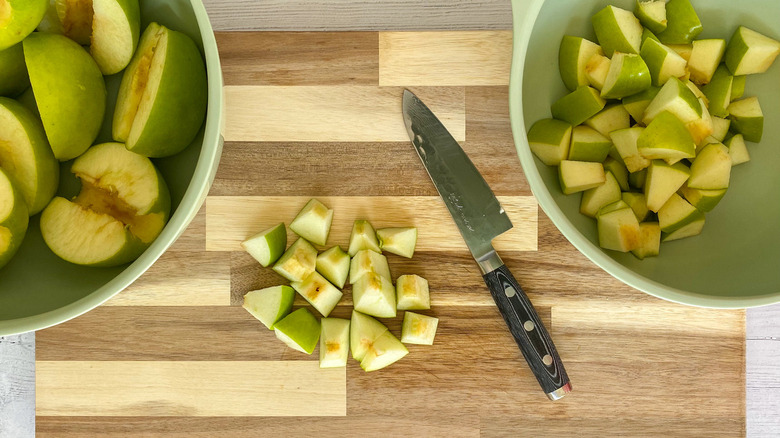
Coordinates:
(654, 122)
(319, 278)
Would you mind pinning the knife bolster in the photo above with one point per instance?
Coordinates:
(490, 262)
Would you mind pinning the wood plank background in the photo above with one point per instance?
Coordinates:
(188, 361)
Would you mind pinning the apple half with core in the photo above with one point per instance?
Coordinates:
(418, 329)
(18, 18)
(162, 98)
(14, 219)
(13, 72)
(750, 52)
(549, 140)
(318, 291)
(334, 342)
(363, 237)
(269, 305)
(399, 241)
(363, 331)
(313, 222)
(300, 330)
(26, 156)
(573, 55)
(122, 207)
(297, 262)
(333, 264)
(69, 91)
(116, 25)
(617, 30)
(267, 246)
(374, 295)
(412, 293)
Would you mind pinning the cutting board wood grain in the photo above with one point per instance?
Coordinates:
(318, 115)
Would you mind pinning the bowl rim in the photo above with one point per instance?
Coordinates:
(194, 196)
(525, 14)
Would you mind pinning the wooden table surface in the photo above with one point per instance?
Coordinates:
(640, 366)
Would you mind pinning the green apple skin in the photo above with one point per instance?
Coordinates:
(300, 330)
(32, 163)
(267, 246)
(637, 104)
(618, 228)
(587, 144)
(750, 52)
(618, 170)
(573, 55)
(662, 62)
(14, 218)
(69, 90)
(649, 240)
(625, 141)
(720, 128)
(738, 87)
(666, 138)
(638, 204)
(418, 329)
(172, 119)
(677, 213)
(704, 200)
(613, 37)
(652, 15)
(28, 100)
(676, 98)
(628, 74)
(747, 118)
(18, 18)
(609, 119)
(116, 27)
(636, 180)
(683, 24)
(578, 106)
(269, 305)
(690, 230)
(718, 92)
(13, 72)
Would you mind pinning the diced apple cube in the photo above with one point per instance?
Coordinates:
(366, 261)
(399, 241)
(313, 222)
(363, 237)
(549, 140)
(418, 329)
(333, 264)
(334, 342)
(578, 176)
(374, 295)
(322, 295)
(412, 293)
(298, 261)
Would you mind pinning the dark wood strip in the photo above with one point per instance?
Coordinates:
(302, 58)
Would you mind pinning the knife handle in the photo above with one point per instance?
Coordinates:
(527, 329)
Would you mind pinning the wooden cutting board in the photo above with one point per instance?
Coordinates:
(319, 115)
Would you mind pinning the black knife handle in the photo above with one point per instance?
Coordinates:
(529, 332)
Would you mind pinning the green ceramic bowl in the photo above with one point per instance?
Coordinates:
(735, 262)
(37, 289)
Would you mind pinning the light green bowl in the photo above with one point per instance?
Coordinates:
(37, 289)
(735, 262)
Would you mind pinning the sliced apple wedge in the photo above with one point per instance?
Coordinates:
(122, 207)
(617, 30)
(625, 141)
(676, 98)
(597, 197)
(399, 241)
(115, 30)
(334, 342)
(412, 293)
(747, 118)
(267, 246)
(13, 72)
(297, 262)
(677, 213)
(652, 14)
(18, 18)
(13, 219)
(737, 150)
(573, 55)
(366, 261)
(649, 240)
(363, 237)
(720, 128)
(25, 154)
(318, 291)
(578, 176)
(313, 222)
(549, 140)
(374, 295)
(385, 350)
(162, 98)
(418, 329)
(705, 58)
(596, 70)
(628, 74)
(363, 331)
(692, 229)
(718, 92)
(703, 200)
(750, 52)
(618, 228)
(333, 264)
(269, 305)
(300, 330)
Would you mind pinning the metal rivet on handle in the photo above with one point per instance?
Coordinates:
(547, 359)
(510, 291)
(528, 326)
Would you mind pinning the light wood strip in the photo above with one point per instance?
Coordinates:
(196, 389)
(306, 58)
(460, 58)
(332, 113)
(180, 279)
(232, 219)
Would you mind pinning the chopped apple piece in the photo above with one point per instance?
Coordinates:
(573, 56)
(703, 200)
(374, 295)
(384, 351)
(705, 58)
(652, 14)
(683, 25)
(363, 237)
(269, 305)
(750, 52)
(677, 99)
(318, 291)
(597, 197)
(718, 92)
(334, 342)
(418, 329)
(637, 104)
(663, 180)
(333, 264)
(649, 240)
(313, 222)
(363, 331)
(711, 170)
(662, 62)
(611, 118)
(638, 203)
(297, 262)
(366, 261)
(399, 241)
(692, 229)
(617, 30)
(578, 176)
(618, 228)
(587, 144)
(412, 293)
(618, 170)
(625, 141)
(578, 106)
(596, 70)
(677, 213)
(628, 74)
(666, 138)
(300, 330)
(549, 140)
(747, 118)
(738, 150)
(267, 246)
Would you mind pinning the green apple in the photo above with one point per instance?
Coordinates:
(618, 170)
(617, 227)
(747, 118)
(652, 14)
(300, 330)
(705, 58)
(363, 331)
(738, 87)
(13, 72)
(677, 213)
(637, 179)
(162, 98)
(625, 141)
(628, 74)
(649, 240)
(718, 92)
(374, 295)
(549, 140)
(69, 91)
(297, 262)
(675, 98)
(573, 55)
(14, 218)
(26, 156)
(720, 128)
(334, 342)
(399, 241)
(366, 261)
(115, 29)
(597, 197)
(578, 106)
(662, 181)
(269, 305)
(384, 351)
(692, 229)
(638, 203)
(737, 150)
(683, 25)
(750, 52)
(596, 70)
(578, 176)
(666, 138)
(683, 50)
(662, 62)
(418, 329)
(267, 246)
(333, 264)
(711, 170)
(318, 292)
(28, 100)
(123, 206)
(18, 18)
(617, 30)
(648, 35)
(412, 293)
(611, 118)
(587, 144)
(701, 128)
(313, 222)
(703, 200)
(363, 237)
(637, 104)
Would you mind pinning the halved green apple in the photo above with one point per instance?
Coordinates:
(300, 330)
(334, 342)
(69, 90)
(596, 70)
(412, 293)
(26, 156)
(649, 240)
(747, 118)
(711, 170)
(366, 261)
(587, 144)
(384, 351)
(269, 305)
(617, 30)
(628, 74)
(297, 262)
(705, 58)
(374, 295)
(13, 219)
(363, 331)
(662, 181)
(313, 222)
(267, 246)
(597, 197)
(578, 176)
(578, 106)
(13, 72)
(18, 18)
(683, 24)
(666, 138)
(573, 55)
(122, 207)
(662, 62)
(418, 329)
(737, 150)
(162, 98)
(400, 241)
(750, 52)
(611, 118)
(652, 14)
(318, 291)
(74, 18)
(333, 264)
(549, 140)
(363, 237)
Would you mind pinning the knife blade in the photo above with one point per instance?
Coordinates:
(480, 218)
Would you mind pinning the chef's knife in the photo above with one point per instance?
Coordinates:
(480, 218)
